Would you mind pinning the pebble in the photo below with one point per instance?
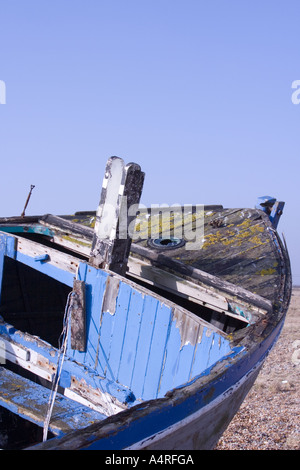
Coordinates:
(268, 419)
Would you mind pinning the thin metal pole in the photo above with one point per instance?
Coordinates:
(27, 200)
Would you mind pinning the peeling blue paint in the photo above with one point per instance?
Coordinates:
(140, 346)
(38, 229)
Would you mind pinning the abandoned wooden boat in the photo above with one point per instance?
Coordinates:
(150, 340)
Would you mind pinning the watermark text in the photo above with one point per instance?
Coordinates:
(160, 221)
(2, 352)
(2, 92)
(296, 93)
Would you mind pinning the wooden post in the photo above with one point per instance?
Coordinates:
(121, 189)
(78, 316)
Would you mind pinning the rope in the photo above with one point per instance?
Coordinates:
(60, 359)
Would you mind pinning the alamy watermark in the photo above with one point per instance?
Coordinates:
(2, 92)
(165, 223)
(2, 352)
(296, 353)
(296, 94)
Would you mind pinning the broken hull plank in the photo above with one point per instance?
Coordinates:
(30, 401)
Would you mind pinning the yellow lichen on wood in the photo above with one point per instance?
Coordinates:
(75, 240)
(236, 237)
(266, 272)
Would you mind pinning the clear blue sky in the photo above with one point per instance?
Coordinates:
(197, 92)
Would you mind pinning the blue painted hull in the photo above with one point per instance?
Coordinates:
(192, 418)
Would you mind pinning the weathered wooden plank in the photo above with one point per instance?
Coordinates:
(30, 400)
(237, 227)
(211, 347)
(199, 277)
(115, 335)
(78, 316)
(150, 307)
(95, 288)
(62, 224)
(184, 364)
(176, 284)
(201, 358)
(190, 349)
(106, 325)
(55, 258)
(27, 219)
(220, 246)
(230, 263)
(233, 251)
(169, 370)
(157, 351)
(178, 360)
(121, 190)
(83, 384)
(131, 338)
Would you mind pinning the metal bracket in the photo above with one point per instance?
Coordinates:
(271, 207)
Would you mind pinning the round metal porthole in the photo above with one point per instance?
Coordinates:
(165, 243)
